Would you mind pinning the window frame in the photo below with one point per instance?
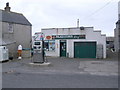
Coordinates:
(10, 28)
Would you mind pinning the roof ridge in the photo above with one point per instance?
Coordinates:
(11, 12)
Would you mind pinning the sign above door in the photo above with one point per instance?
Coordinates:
(68, 36)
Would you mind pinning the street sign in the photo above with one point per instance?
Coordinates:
(42, 36)
(39, 36)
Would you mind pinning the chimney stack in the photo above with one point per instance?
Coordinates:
(78, 23)
(7, 8)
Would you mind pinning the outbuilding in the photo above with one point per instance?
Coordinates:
(76, 42)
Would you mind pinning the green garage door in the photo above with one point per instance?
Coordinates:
(85, 49)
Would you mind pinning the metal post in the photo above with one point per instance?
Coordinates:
(43, 50)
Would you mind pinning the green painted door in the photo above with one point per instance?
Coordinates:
(62, 48)
(85, 49)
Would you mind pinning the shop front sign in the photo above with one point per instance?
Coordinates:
(68, 37)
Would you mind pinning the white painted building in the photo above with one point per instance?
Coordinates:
(77, 42)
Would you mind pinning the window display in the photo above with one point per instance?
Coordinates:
(49, 45)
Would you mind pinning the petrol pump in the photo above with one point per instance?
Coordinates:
(38, 48)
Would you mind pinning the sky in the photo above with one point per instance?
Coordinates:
(100, 14)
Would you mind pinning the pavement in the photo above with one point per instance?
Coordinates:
(99, 67)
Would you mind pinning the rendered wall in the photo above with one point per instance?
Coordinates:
(21, 35)
(91, 36)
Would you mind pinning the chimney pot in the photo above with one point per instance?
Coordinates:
(7, 8)
(7, 4)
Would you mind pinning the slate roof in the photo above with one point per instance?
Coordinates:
(13, 17)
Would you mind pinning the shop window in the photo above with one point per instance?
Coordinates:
(49, 45)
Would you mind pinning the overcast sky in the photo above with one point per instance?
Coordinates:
(101, 14)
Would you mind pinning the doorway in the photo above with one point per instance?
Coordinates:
(62, 48)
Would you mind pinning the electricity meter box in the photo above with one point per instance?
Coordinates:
(3, 53)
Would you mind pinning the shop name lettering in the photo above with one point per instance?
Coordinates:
(68, 36)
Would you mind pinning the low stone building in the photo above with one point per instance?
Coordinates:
(110, 42)
(15, 29)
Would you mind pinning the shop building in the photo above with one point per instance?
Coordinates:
(76, 42)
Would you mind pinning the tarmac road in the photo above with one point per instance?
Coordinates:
(55, 80)
(62, 73)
